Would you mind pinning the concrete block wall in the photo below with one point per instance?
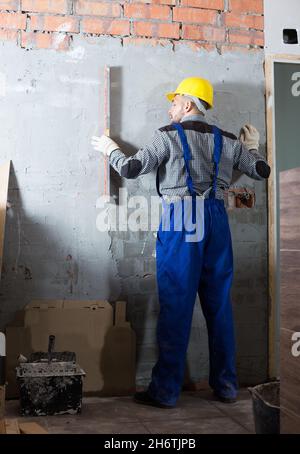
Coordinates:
(51, 90)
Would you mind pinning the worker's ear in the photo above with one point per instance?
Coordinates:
(188, 106)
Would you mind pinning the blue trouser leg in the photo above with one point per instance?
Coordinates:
(214, 293)
(180, 266)
(177, 279)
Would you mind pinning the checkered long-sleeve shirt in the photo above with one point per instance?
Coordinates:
(165, 154)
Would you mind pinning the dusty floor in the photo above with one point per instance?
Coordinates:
(196, 413)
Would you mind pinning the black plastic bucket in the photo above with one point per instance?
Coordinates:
(266, 407)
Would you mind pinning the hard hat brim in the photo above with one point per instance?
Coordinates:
(171, 96)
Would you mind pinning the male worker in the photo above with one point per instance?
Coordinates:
(193, 159)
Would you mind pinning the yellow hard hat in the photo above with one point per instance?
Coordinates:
(195, 86)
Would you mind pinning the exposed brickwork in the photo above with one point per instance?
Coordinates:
(45, 6)
(13, 21)
(105, 27)
(57, 41)
(233, 20)
(54, 23)
(246, 37)
(204, 33)
(11, 5)
(97, 9)
(8, 35)
(140, 11)
(249, 6)
(156, 30)
(209, 4)
(225, 25)
(195, 15)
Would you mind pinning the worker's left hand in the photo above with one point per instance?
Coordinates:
(249, 136)
(104, 144)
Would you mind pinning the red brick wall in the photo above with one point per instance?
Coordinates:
(225, 24)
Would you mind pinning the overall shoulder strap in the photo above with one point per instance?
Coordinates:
(218, 145)
(186, 155)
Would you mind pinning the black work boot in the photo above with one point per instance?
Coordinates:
(144, 398)
(225, 400)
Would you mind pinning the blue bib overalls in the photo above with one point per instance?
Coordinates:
(183, 269)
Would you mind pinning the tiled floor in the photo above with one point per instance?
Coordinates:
(196, 413)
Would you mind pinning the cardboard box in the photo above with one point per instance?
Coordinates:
(119, 358)
(78, 326)
(105, 352)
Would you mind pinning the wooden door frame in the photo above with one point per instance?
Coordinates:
(273, 366)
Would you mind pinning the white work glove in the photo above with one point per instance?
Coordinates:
(104, 144)
(249, 136)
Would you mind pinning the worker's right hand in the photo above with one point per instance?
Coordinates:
(104, 144)
(249, 136)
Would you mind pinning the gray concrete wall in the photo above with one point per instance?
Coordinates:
(51, 104)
